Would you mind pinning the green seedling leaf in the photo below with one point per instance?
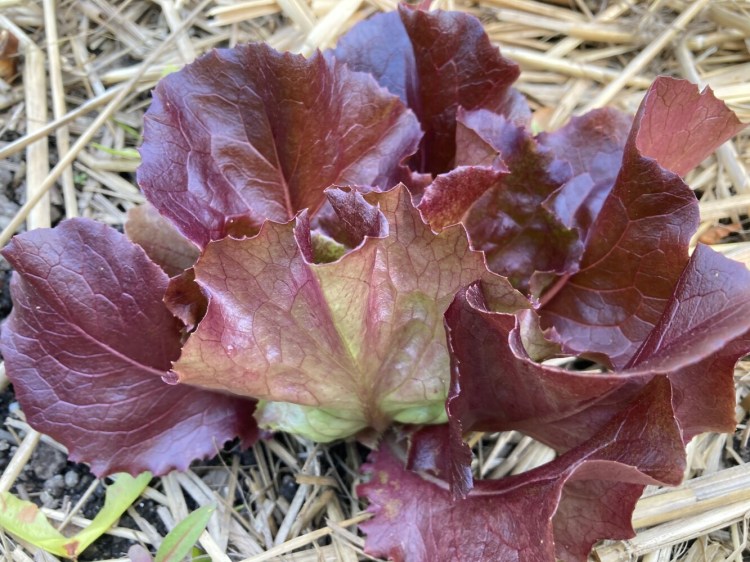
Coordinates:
(132, 131)
(120, 496)
(24, 520)
(169, 69)
(197, 554)
(180, 540)
(127, 153)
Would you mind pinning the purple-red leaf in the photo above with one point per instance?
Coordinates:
(248, 134)
(695, 345)
(185, 299)
(593, 145)
(348, 218)
(436, 62)
(339, 347)
(447, 199)
(86, 345)
(680, 126)
(638, 245)
(592, 508)
(508, 216)
(161, 241)
(496, 386)
(528, 202)
(515, 518)
(381, 47)
(706, 316)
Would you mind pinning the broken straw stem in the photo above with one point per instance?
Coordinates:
(697, 507)
(674, 532)
(646, 55)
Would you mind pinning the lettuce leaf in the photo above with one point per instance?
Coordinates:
(437, 62)
(516, 518)
(161, 241)
(334, 348)
(637, 247)
(371, 237)
(87, 344)
(509, 219)
(248, 134)
(695, 346)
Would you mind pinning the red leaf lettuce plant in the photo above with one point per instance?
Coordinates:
(374, 236)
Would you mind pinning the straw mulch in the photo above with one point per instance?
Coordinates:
(79, 80)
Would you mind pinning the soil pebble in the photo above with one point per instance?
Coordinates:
(47, 461)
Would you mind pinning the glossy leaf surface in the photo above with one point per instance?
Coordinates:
(436, 62)
(248, 134)
(335, 348)
(88, 342)
(514, 518)
(637, 247)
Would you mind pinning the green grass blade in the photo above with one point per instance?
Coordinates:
(24, 519)
(127, 153)
(120, 496)
(180, 540)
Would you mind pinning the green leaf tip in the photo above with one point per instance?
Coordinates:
(180, 540)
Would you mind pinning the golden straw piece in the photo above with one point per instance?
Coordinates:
(647, 55)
